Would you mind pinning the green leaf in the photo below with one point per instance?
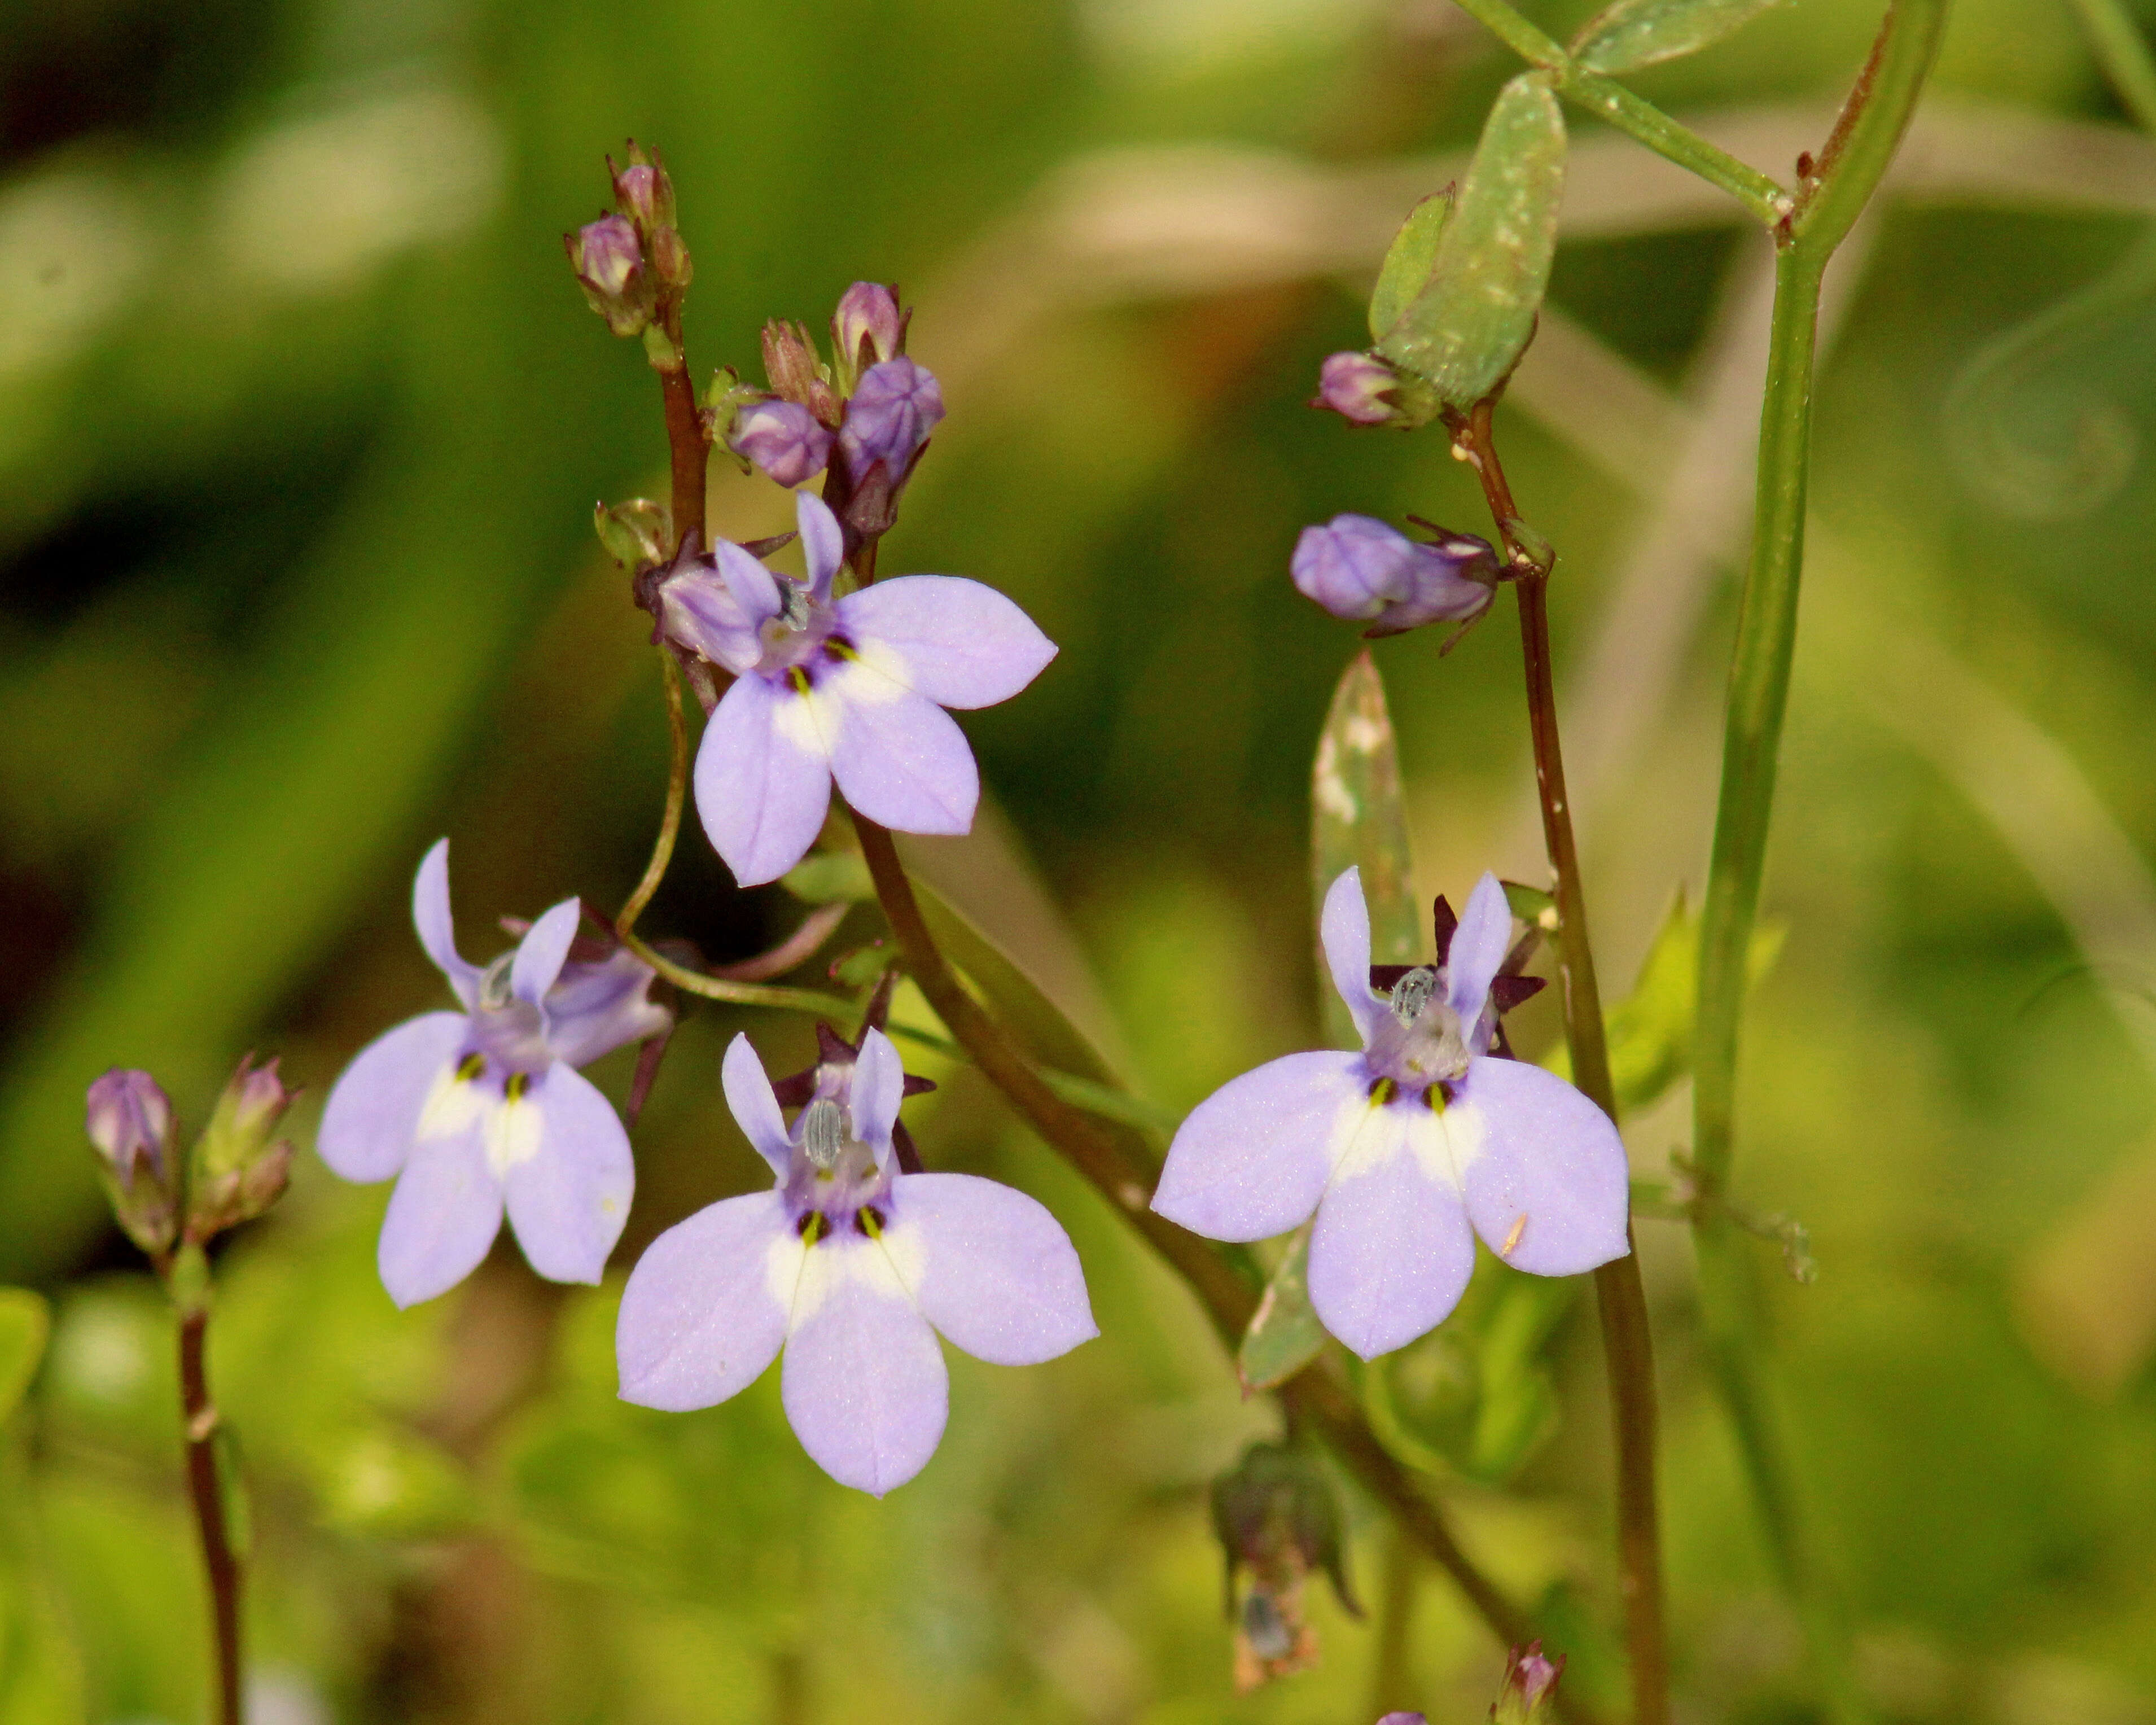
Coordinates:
(1285, 1335)
(24, 1323)
(831, 877)
(1408, 262)
(1634, 34)
(1650, 1030)
(1466, 329)
(1357, 821)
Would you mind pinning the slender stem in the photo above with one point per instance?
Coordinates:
(677, 787)
(2115, 38)
(206, 1487)
(714, 987)
(1627, 1343)
(1849, 168)
(1225, 1282)
(1608, 100)
(1392, 1680)
(688, 447)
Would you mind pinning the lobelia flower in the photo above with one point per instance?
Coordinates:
(1365, 390)
(852, 689)
(852, 1268)
(888, 418)
(1361, 569)
(482, 1109)
(1408, 1149)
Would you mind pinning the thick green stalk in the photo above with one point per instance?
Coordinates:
(1608, 100)
(1847, 173)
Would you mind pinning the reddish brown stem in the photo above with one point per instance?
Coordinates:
(219, 1562)
(685, 441)
(1628, 1344)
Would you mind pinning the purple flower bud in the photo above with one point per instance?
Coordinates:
(608, 259)
(1361, 569)
(1364, 390)
(781, 437)
(888, 418)
(642, 191)
(238, 1171)
(130, 1121)
(867, 327)
(1530, 1684)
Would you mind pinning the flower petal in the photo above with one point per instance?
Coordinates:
(1343, 930)
(754, 587)
(699, 1318)
(1392, 1251)
(878, 1086)
(957, 642)
(443, 1217)
(437, 928)
(1549, 1189)
(864, 1382)
(568, 1200)
(822, 541)
(594, 1008)
(543, 950)
(1479, 945)
(755, 1109)
(372, 1114)
(1252, 1159)
(761, 786)
(994, 1271)
(901, 760)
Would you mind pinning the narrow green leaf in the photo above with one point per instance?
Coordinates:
(1285, 1335)
(830, 877)
(25, 1321)
(1356, 821)
(1632, 33)
(1466, 329)
(1408, 264)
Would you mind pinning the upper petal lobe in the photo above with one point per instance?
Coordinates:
(699, 1318)
(1549, 1190)
(957, 642)
(1343, 930)
(1479, 945)
(996, 1273)
(864, 1382)
(568, 1200)
(373, 1111)
(1252, 1159)
(437, 928)
(754, 1106)
(1392, 1251)
(761, 786)
(543, 950)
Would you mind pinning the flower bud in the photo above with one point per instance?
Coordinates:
(1364, 390)
(129, 1119)
(608, 259)
(888, 418)
(790, 362)
(781, 437)
(867, 328)
(1528, 1697)
(1277, 1520)
(1363, 570)
(642, 191)
(637, 534)
(238, 1171)
(670, 258)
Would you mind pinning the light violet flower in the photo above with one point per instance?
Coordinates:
(482, 1109)
(853, 1269)
(1408, 1149)
(783, 439)
(890, 416)
(852, 689)
(1361, 569)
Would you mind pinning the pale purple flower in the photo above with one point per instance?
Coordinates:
(1361, 569)
(481, 1111)
(852, 1268)
(1408, 1149)
(784, 439)
(608, 259)
(868, 326)
(852, 689)
(888, 418)
(129, 1119)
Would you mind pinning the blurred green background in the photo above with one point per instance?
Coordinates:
(301, 423)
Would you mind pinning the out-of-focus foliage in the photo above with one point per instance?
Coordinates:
(301, 424)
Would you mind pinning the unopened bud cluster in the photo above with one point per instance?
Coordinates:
(627, 260)
(235, 1171)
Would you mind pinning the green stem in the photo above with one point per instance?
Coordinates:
(1607, 99)
(2115, 38)
(677, 787)
(1849, 170)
